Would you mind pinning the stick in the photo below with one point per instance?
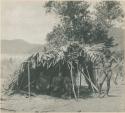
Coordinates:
(28, 79)
(83, 74)
(80, 80)
(78, 86)
(73, 83)
(79, 83)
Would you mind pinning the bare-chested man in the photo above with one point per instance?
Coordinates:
(105, 71)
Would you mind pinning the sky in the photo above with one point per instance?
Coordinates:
(27, 20)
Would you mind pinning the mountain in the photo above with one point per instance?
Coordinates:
(18, 46)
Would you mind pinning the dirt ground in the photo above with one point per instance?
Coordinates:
(42, 103)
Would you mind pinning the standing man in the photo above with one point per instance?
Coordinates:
(105, 71)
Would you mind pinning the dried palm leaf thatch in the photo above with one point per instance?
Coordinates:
(55, 71)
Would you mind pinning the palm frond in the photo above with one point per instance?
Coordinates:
(94, 52)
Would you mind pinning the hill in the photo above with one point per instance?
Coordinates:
(18, 46)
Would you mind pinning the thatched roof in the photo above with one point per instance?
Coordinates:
(57, 63)
(68, 53)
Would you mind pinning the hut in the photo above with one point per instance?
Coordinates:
(55, 72)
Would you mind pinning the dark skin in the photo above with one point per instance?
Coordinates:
(106, 73)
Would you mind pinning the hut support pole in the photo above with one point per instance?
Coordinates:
(71, 73)
(78, 85)
(80, 79)
(29, 80)
(83, 74)
(78, 73)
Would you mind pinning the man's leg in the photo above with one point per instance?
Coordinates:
(109, 74)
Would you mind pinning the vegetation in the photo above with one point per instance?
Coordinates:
(77, 23)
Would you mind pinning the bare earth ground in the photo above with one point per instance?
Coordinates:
(43, 103)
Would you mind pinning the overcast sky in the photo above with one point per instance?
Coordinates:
(26, 19)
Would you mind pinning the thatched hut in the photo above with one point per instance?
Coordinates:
(55, 72)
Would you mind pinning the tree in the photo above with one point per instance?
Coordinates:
(75, 19)
(56, 37)
(107, 12)
(77, 24)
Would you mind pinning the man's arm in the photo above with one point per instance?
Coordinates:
(113, 59)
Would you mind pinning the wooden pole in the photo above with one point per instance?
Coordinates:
(80, 76)
(79, 86)
(80, 80)
(79, 83)
(29, 80)
(17, 83)
(78, 72)
(71, 73)
(83, 74)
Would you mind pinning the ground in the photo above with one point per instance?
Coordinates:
(42, 103)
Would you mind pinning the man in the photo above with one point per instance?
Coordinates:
(105, 71)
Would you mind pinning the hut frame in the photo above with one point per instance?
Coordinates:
(51, 58)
